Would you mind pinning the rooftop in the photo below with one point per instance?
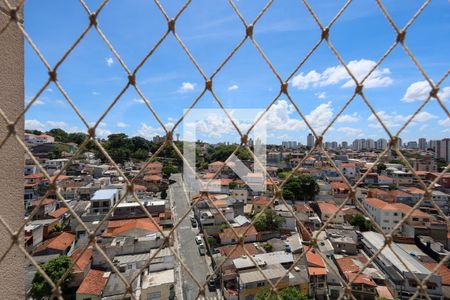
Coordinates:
(93, 283)
(158, 278)
(375, 241)
(104, 194)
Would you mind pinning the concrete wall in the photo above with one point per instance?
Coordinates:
(11, 171)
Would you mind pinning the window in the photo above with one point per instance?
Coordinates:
(154, 295)
(261, 283)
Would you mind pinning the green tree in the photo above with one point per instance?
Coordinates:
(361, 222)
(77, 137)
(289, 293)
(59, 135)
(300, 187)
(163, 194)
(268, 247)
(168, 169)
(269, 220)
(55, 269)
(56, 152)
(397, 161)
(33, 131)
(381, 167)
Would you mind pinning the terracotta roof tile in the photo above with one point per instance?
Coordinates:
(228, 250)
(117, 227)
(59, 212)
(93, 284)
(60, 242)
(84, 258)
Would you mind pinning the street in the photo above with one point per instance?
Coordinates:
(188, 249)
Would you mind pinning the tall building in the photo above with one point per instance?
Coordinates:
(412, 145)
(444, 150)
(370, 144)
(289, 144)
(436, 146)
(334, 145)
(310, 141)
(344, 145)
(423, 144)
(381, 144)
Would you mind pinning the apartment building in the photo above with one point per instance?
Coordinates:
(386, 215)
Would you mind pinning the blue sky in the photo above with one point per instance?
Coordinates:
(92, 76)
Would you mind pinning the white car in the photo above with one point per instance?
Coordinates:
(198, 239)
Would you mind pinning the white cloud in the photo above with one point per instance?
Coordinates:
(187, 87)
(101, 130)
(45, 126)
(279, 117)
(139, 100)
(348, 118)
(57, 124)
(36, 102)
(95, 93)
(424, 116)
(233, 87)
(148, 131)
(396, 120)
(49, 90)
(109, 61)
(338, 74)
(444, 122)
(35, 125)
(321, 95)
(423, 127)
(350, 131)
(420, 90)
(321, 116)
(121, 125)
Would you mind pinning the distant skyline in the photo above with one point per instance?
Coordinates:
(92, 75)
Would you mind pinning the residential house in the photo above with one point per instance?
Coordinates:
(158, 285)
(103, 200)
(326, 209)
(61, 244)
(249, 233)
(93, 285)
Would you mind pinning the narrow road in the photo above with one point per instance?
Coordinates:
(188, 249)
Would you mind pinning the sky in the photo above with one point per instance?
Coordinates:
(92, 76)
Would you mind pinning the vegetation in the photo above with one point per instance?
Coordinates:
(55, 269)
(441, 164)
(381, 167)
(362, 223)
(300, 187)
(269, 220)
(222, 152)
(290, 293)
(396, 161)
(268, 247)
(58, 228)
(168, 169)
(163, 194)
(212, 241)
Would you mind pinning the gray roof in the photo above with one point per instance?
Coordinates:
(104, 194)
(115, 285)
(375, 241)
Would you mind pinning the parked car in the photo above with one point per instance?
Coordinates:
(201, 250)
(198, 240)
(194, 222)
(211, 284)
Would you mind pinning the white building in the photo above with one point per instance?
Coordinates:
(387, 216)
(103, 200)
